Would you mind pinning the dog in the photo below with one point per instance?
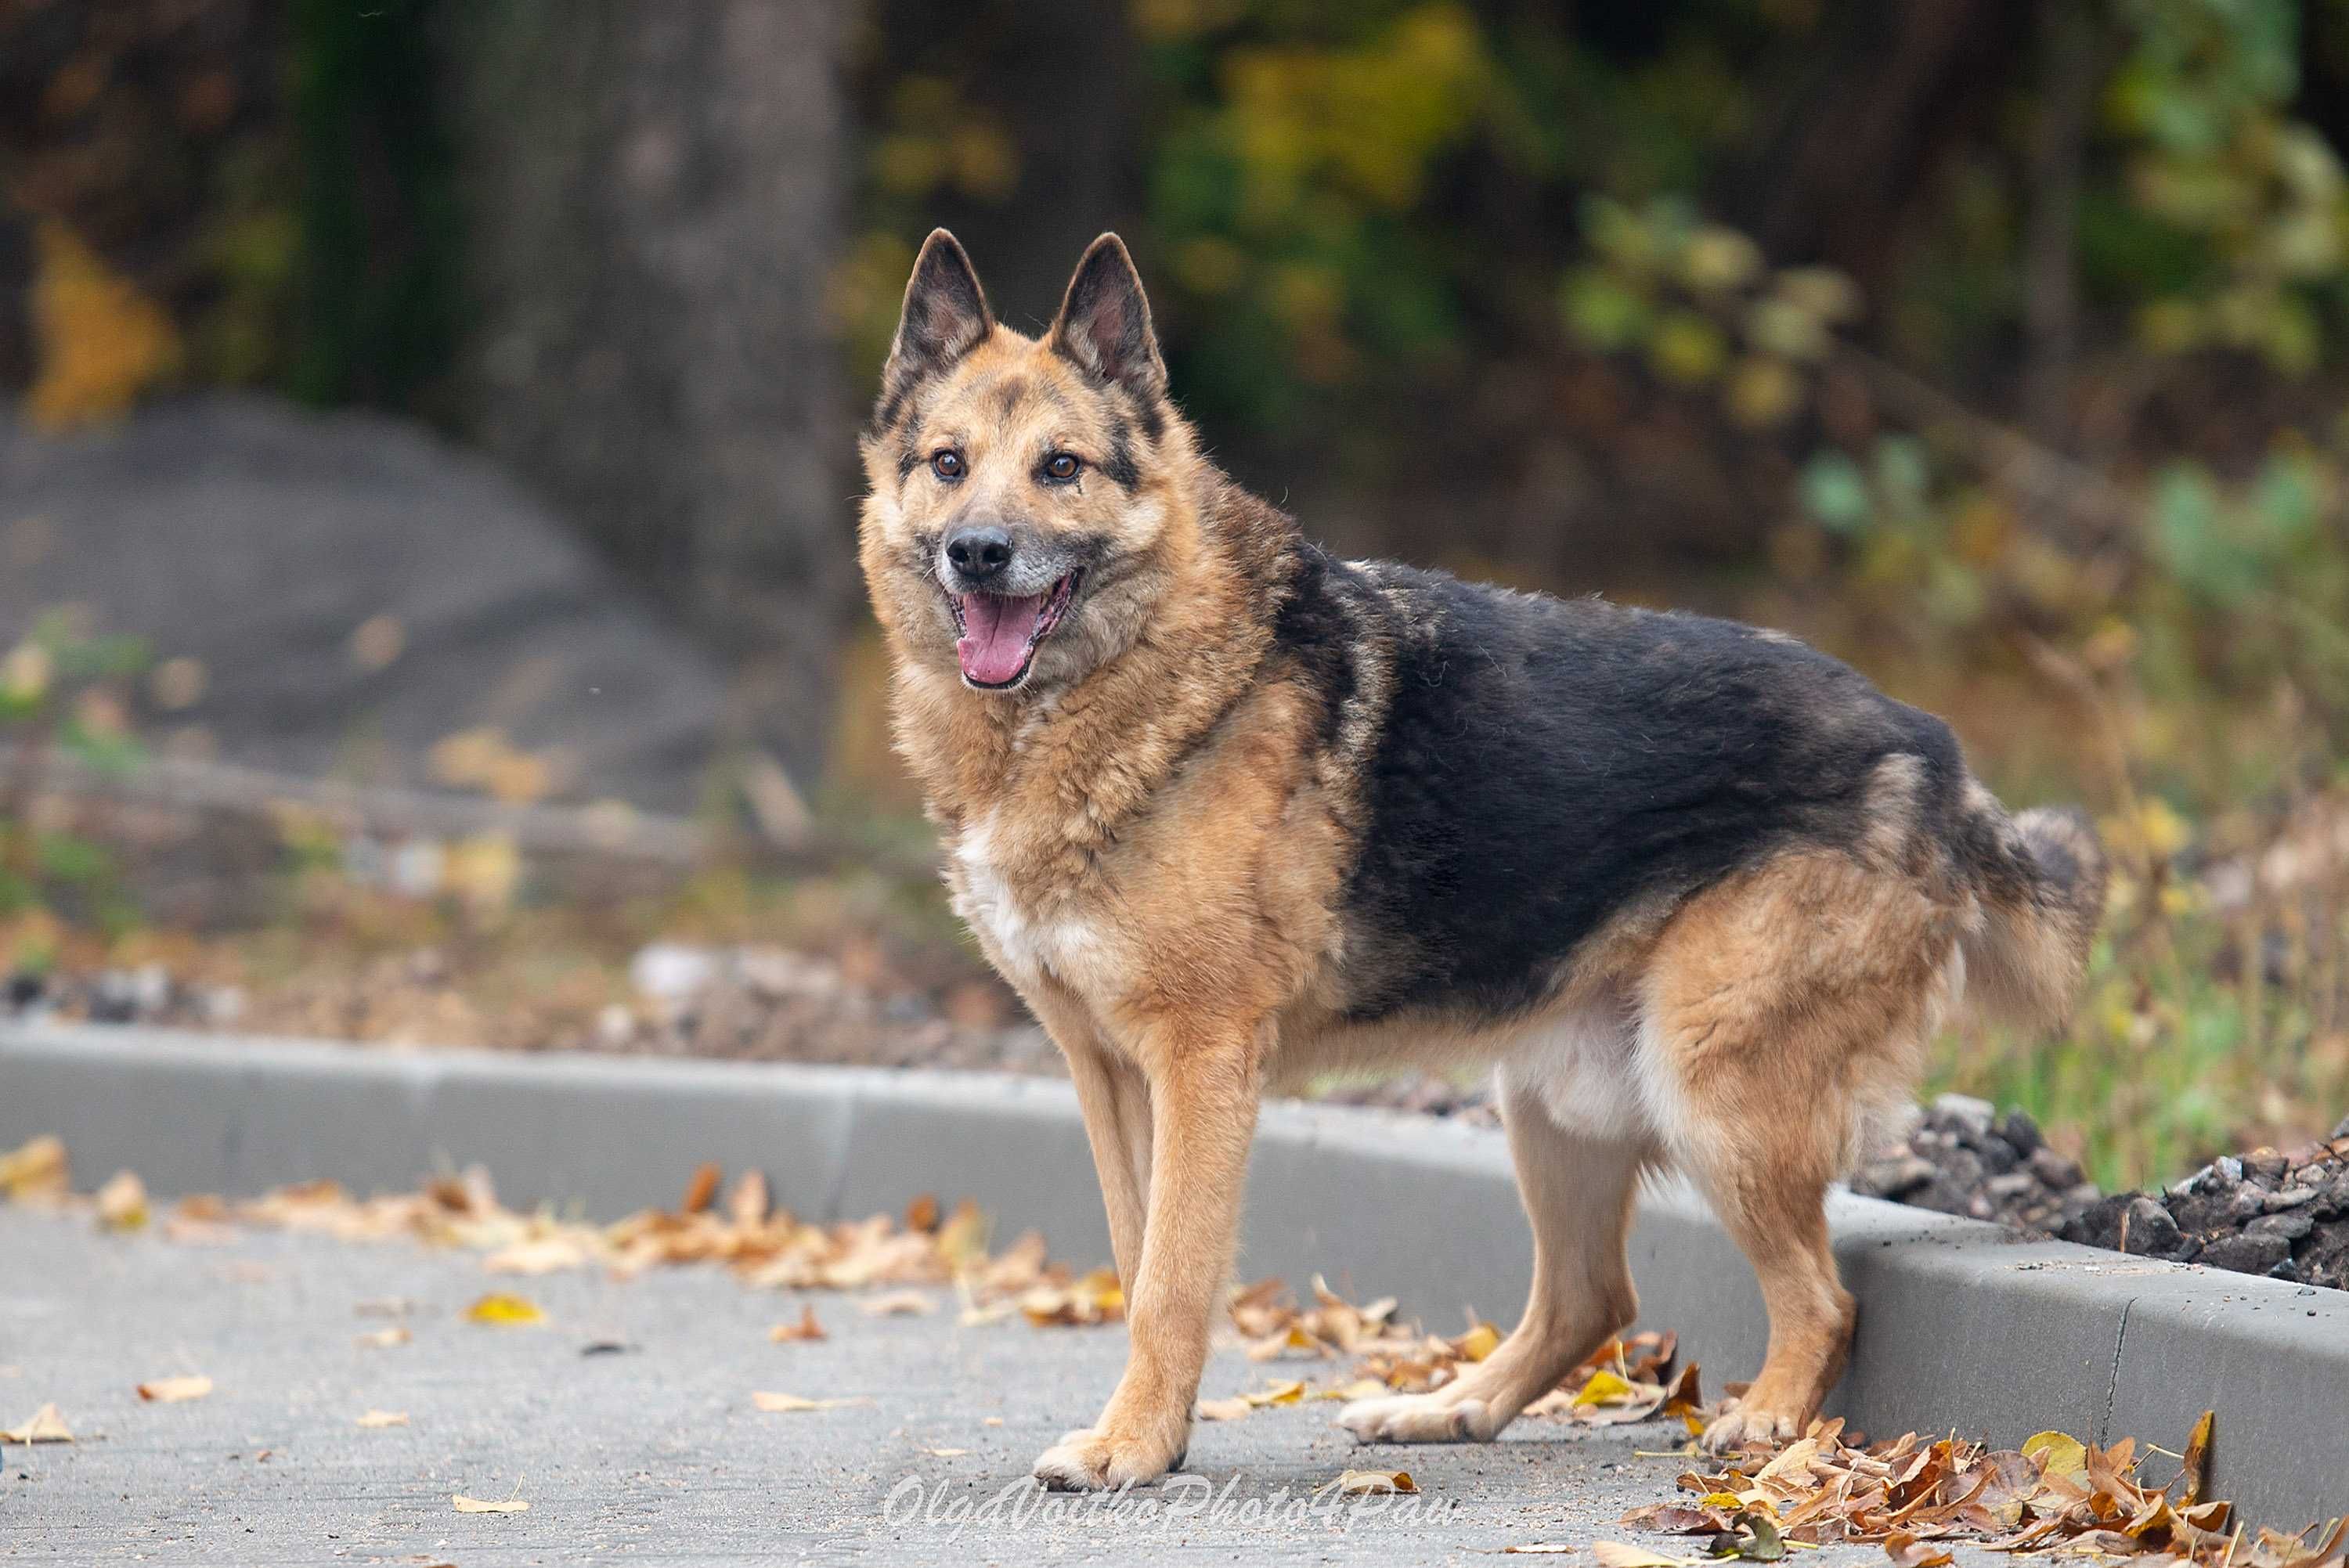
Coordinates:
(1230, 813)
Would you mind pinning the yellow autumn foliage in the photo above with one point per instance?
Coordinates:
(101, 342)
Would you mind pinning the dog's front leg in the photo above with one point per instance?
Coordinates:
(1115, 1100)
(1203, 1097)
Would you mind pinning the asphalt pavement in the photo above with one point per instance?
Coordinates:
(656, 1451)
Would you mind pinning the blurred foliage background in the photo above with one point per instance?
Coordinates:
(1997, 347)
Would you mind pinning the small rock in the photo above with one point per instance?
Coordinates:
(2290, 1198)
(24, 988)
(223, 1006)
(2341, 1130)
(2291, 1224)
(2020, 1132)
(1964, 1110)
(672, 971)
(2246, 1254)
(1997, 1155)
(2148, 1230)
(1895, 1178)
(2012, 1184)
(2266, 1166)
(2053, 1169)
(2247, 1203)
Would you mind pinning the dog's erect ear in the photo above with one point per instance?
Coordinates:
(1104, 322)
(945, 317)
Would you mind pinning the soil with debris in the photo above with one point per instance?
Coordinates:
(2265, 1212)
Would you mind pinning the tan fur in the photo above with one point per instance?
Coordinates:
(1151, 842)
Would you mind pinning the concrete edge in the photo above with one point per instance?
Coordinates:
(1963, 1326)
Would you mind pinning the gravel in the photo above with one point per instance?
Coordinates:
(2286, 1215)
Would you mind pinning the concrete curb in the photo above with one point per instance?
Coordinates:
(1962, 1326)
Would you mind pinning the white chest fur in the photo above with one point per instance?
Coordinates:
(1031, 939)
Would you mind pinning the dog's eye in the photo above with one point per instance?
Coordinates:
(946, 465)
(1062, 466)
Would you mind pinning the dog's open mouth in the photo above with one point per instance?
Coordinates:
(999, 634)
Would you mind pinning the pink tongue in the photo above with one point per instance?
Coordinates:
(997, 631)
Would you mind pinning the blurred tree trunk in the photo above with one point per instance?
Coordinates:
(656, 197)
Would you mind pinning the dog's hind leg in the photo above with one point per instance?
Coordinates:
(1578, 1188)
(1778, 1007)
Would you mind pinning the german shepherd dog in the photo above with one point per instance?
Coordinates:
(1229, 813)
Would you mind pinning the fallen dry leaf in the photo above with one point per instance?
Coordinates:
(1357, 1483)
(1617, 1554)
(384, 1338)
(701, 1189)
(37, 1169)
(900, 1303)
(122, 1202)
(1537, 1549)
(539, 1255)
(464, 1504)
(1286, 1393)
(384, 1418)
(43, 1426)
(1232, 1410)
(945, 1453)
(807, 1327)
(500, 1308)
(785, 1403)
(175, 1390)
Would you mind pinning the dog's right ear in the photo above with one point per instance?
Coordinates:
(945, 317)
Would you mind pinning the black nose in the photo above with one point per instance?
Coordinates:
(978, 553)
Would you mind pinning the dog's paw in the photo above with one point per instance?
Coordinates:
(1742, 1422)
(1089, 1460)
(1417, 1418)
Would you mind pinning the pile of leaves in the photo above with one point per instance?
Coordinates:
(1917, 1497)
(766, 1246)
(2281, 1214)
(1626, 1379)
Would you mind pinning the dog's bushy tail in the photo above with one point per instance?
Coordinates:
(2039, 878)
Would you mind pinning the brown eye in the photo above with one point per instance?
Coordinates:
(946, 465)
(1061, 465)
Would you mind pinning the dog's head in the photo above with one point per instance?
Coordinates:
(1024, 508)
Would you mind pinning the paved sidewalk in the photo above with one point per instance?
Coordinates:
(655, 1454)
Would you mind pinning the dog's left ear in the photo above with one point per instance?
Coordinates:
(1104, 322)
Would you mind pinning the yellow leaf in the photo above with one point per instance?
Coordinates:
(464, 1504)
(175, 1390)
(499, 1307)
(1232, 1410)
(1360, 1482)
(780, 1404)
(102, 342)
(43, 1426)
(38, 1170)
(2059, 1455)
(1603, 1387)
(1288, 1393)
(1360, 1389)
(1478, 1342)
(122, 1201)
(374, 1418)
